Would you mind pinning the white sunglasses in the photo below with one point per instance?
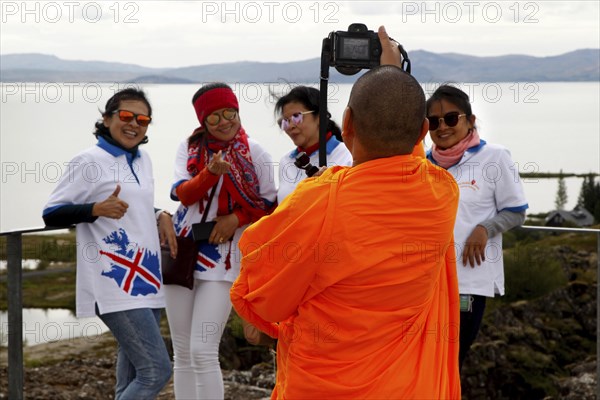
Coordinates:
(296, 119)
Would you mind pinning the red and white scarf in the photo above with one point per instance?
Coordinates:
(241, 186)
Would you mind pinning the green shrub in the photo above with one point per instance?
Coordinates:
(521, 236)
(531, 271)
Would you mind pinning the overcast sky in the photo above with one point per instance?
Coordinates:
(183, 33)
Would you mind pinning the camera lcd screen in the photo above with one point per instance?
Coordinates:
(354, 48)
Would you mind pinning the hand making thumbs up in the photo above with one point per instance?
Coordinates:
(112, 207)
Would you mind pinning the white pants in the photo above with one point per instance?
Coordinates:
(197, 319)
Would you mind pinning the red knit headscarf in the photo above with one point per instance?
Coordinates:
(214, 99)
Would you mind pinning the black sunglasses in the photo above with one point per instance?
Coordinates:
(450, 119)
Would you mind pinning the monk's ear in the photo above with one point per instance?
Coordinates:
(347, 127)
(424, 130)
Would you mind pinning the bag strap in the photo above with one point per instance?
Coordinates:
(205, 213)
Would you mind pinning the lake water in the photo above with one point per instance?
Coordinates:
(547, 127)
(51, 325)
(26, 264)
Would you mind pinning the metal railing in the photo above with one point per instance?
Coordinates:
(14, 244)
(14, 283)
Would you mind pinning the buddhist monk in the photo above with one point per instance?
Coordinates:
(354, 273)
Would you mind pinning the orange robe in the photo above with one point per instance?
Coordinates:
(355, 274)
(419, 149)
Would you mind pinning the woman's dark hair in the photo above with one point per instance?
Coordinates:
(309, 98)
(198, 132)
(113, 104)
(452, 95)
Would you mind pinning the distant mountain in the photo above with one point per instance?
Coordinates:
(49, 68)
(34, 61)
(579, 65)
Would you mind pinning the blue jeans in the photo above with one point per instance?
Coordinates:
(143, 363)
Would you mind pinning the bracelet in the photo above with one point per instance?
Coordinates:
(159, 212)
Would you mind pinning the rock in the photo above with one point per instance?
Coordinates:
(534, 349)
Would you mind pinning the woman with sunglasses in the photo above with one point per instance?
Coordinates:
(299, 110)
(299, 119)
(108, 191)
(223, 173)
(492, 201)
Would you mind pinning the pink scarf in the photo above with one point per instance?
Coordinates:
(448, 157)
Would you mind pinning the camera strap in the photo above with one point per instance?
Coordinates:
(405, 63)
(323, 115)
(205, 213)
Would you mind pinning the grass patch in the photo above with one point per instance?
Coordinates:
(39, 362)
(579, 241)
(50, 290)
(59, 247)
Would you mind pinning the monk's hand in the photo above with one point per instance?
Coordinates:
(112, 207)
(217, 165)
(390, 54)
(251, 333)
(320, 171)
(224, 229)
(254, 335)
(474, 251)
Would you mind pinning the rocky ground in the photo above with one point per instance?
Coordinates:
(543, 348)
(84, 368)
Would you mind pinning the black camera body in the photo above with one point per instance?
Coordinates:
(349, 52)
(358, 48)
(303, 162)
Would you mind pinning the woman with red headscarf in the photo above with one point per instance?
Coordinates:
(220, 172)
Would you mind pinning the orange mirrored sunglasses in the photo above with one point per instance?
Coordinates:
(128, 116)
(214, 118)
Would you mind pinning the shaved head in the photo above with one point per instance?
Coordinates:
(388, 110)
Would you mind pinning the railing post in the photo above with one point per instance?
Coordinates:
(14, 244)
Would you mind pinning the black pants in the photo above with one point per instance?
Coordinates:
(470, 322)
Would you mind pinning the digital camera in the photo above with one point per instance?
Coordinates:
(303, 162)
(358, 48)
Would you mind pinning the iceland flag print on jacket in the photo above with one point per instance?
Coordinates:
(135, 270)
